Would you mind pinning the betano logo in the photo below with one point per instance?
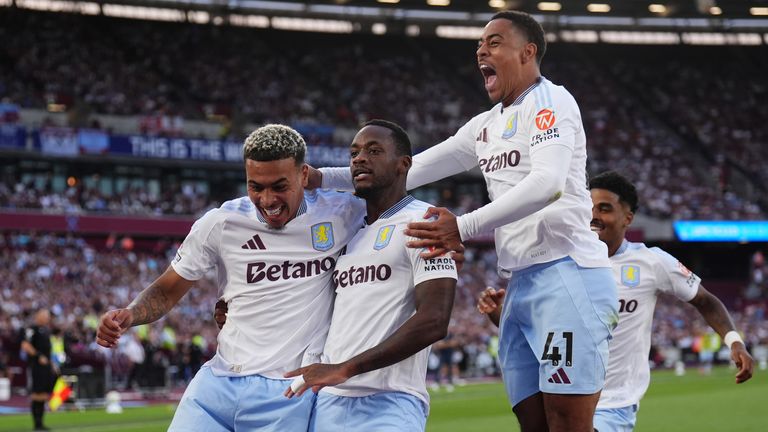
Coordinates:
(357, 275)
(258, 271)
(500, 161)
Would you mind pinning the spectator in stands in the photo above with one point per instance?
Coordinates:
(758, 284)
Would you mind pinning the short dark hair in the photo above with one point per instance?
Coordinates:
(530, 28)
(399, 136)
(618, 184)
(274, 142)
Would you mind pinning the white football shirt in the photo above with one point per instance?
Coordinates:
(276, 282)
(375, 280)
(500, 142)
(641, 274)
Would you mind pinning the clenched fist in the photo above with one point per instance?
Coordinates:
(112, 325)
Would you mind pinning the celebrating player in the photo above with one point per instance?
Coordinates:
(274, 252)
(531, 149)
(391, 304)
(641, 274)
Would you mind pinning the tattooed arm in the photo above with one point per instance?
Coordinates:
(151, 304)
(434, 303)
(714, 312)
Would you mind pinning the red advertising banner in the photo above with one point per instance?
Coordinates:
(154, 226)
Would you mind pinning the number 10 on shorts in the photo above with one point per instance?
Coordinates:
(555, 355)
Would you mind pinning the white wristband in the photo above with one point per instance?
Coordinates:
(731, 337)
(297, 383)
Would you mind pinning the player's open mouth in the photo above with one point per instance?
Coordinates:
(489, 74)
(360, 174)
(596, 227)
(272, 212)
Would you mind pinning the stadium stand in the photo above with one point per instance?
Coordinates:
(702, 163)
(679, 159)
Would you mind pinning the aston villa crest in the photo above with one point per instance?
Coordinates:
(630, 275)
(511, 128)
(383, 237)
(322, 236)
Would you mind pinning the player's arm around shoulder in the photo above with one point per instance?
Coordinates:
(454, 155)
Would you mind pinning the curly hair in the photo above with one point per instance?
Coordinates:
(274, 142)
(618, 184)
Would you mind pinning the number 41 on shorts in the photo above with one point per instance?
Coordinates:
(555, 357)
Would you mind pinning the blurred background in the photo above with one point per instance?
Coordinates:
(121, 122)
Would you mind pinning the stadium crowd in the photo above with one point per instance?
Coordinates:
(727, 102)
(144, 69)
(80, 278)
(758, 282)
(173, 199)
(78, 281)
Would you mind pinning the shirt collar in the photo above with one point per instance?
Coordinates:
(522, 96)
(622, 248)
(403, 203)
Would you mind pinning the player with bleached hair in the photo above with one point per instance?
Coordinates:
(391, 304)
(273, 252)
(641, 274)
(531, 149)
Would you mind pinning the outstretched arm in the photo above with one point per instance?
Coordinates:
(540, 188)
(452, 156)
(434, 302)
(715, 314)
(151, 304)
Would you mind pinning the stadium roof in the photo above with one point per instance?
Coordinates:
(431, 17)
(629, 8)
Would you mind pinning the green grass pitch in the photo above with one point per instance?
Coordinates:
(689, 403)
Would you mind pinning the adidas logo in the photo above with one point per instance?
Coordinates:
(559, 377)
(483, 136)
(254, 243)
